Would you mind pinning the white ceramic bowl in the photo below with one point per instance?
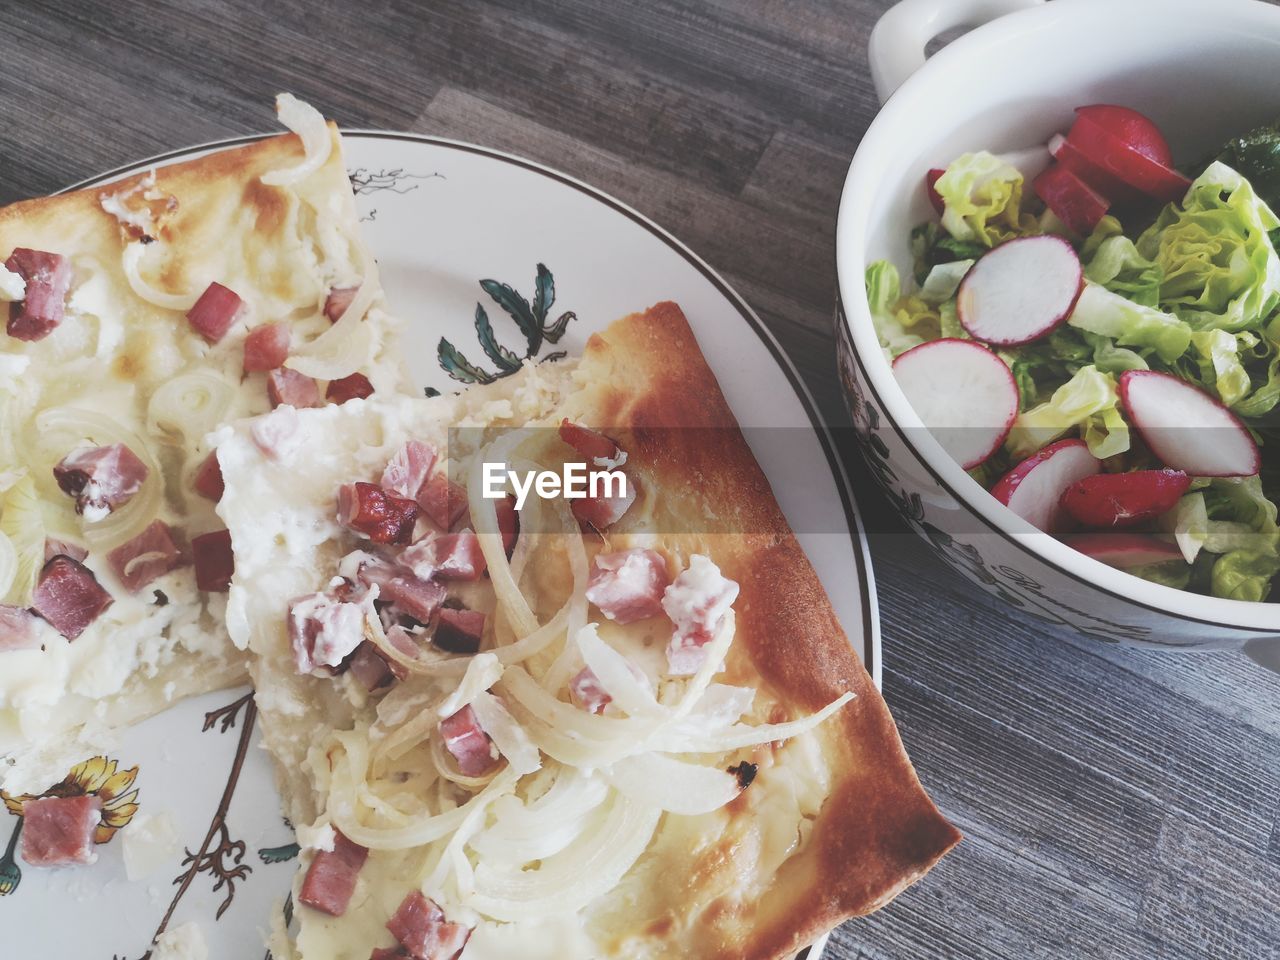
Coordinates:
(1204, 70)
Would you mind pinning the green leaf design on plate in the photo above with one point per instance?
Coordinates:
(459, 367)
(278, 854)
(544, 295)
(518, 309)
(504, 358)
(554, 332)
(531, 319)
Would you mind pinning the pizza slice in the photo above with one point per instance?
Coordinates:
(621, 725)
(140, 315)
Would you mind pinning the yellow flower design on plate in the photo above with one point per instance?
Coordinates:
(97, 777)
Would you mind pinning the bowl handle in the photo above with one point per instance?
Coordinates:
(898, 41)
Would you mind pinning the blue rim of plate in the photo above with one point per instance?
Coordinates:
(861, 548)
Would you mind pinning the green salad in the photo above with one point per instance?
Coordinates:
(1099, 346)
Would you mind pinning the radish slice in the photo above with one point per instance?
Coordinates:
(1136, 131)
(1186, 428)
(1124, 550)
(1124, 499)
(1107, 184)
(1020, 291)
(935, 198)
(1072, 200)
(1034, 488)
(1139, 171)
(963, 392)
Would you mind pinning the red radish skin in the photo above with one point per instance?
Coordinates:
(935, 198)
(1110, 500)
(963, 393)
(1021, 291)
(1136, 130)
(1124, 550)
(1128, 165)
(1072, 200)
(1186, 428)
(1034, 488)
(1107, 184)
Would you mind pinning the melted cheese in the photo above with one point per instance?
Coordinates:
(279, 249)
(280, 511)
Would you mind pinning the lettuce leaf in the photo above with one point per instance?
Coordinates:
(1257, 156)
(1220, 268)
(1109, 358)
(943, 281)
(1232, 518)
(983, 200)
(1088, 401)
(1112, 260)
(1130, 324)
(1244, 575)
(901, 322)
(1266, 396)
(1220, 364)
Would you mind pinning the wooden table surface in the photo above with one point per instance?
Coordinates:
(1117, 804)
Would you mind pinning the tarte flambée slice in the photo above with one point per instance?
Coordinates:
(140, 315)
(625, 726)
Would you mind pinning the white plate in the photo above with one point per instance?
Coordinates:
(440, 217)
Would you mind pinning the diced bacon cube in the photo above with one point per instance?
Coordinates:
(628, 585)
(598, 449)
(587, 693)
(459, 631)
(370, 667)
(69, 596)
(65, 548)
(336, 303)
(331, 877)
(213, 314)
(404, 641)
(388, 953)
(368, 509)
(407, 593)
(18, 629)
(215, 563)
(420, 926)
(208, 479)
(57, 831)
(150, 554)
(266, 347)
(353, 387)
(291, 388)
(323, 631)
(409, 468)
(469, 745)
(602, 512)
(508, 522)
(48, 278)
(375, 669)
(100, 478)
(278, 433)
(442, 501)
(446, 556)
(697, 602)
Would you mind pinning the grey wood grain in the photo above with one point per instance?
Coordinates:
(1117, 803)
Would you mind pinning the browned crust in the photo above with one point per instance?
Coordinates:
(878, 832)
(219, 196)
(238, 165)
